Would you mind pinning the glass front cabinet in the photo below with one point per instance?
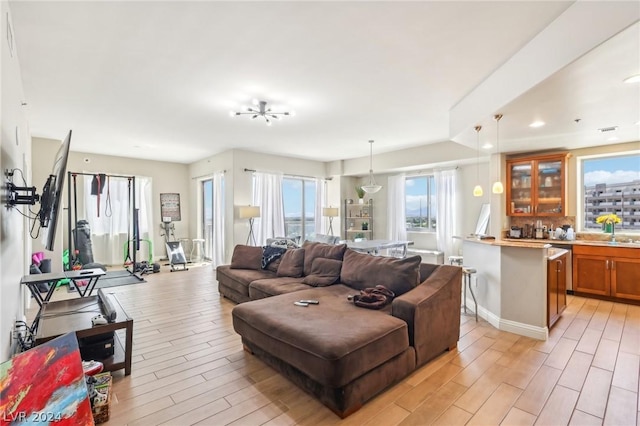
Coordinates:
(536, 185)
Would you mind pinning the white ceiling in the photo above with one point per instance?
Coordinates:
(156, 80)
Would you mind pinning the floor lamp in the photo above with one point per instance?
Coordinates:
(330, 212)
(250, 212)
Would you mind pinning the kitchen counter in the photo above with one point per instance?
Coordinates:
(572, 242)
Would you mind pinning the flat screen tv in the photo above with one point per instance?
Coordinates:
(51, 198)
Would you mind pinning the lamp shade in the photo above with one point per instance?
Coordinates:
(330, 212)
(249, 212)
(497, 188)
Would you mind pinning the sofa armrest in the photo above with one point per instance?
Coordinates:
(432, 312)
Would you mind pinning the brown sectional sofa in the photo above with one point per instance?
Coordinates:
(341, 353)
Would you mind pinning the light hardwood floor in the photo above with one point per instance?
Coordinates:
(189, 368)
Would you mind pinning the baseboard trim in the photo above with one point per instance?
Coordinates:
(538, 333)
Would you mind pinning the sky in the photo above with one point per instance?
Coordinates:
(416, 192)
(611, 170)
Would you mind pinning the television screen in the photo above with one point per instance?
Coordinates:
(51, 198)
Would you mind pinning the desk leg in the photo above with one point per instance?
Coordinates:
(128, 348)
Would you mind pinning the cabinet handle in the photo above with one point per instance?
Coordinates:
(559, 266)
(607, 264)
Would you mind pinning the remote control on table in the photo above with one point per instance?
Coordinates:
(300, 304)
(310, 302)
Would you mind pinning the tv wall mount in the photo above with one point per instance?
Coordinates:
(19, 195)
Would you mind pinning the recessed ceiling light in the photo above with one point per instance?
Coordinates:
(487, 146)
(537, 124)
(612, 139)
(633, 79)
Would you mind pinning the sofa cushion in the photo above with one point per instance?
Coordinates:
(259, 289)
(246, 257)
(291, 263)
(324, 272)
(333, 342)
(315, 250)
(363, 270)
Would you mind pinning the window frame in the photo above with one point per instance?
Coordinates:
(430, 183)
(581, 193)
(303, 217)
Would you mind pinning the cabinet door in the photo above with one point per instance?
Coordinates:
(519, 188)
(625, 278)
(549, 188)
(591, 274)
(552, 292)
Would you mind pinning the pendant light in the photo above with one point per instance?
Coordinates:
(371, 187)
(497, 187)
(477, 191)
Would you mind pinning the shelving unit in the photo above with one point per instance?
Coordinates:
(356, 215)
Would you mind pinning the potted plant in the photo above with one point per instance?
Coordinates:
(365, 226)
(360, 193)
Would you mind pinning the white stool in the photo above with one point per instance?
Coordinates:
(466, 282)
(197, 246)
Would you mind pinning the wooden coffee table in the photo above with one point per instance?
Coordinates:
(74, 315)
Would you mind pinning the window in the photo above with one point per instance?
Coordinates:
(299, 199)
(207, 217)
(420, 203)
(611, 185)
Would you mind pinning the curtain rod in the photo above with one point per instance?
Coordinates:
(208, 174)
(289, 175)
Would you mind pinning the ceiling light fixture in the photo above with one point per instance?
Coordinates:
(633, 79)
(497, 187)
(537, 124)
(260, 109)
(371, 187)
(487, 145)
(477, 190)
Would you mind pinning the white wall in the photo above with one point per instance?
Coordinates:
(166, 177)
(15, 152)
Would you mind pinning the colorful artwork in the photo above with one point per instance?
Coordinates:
(45, 385)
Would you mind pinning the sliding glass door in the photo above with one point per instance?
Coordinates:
(299, 199)
(207, 217)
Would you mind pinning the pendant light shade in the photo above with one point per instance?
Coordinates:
(477, 191)
(497, 187)
(371, 187)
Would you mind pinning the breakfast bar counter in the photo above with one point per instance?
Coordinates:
(511, 283)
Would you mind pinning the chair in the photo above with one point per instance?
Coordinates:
(467, 272)
(198, 247)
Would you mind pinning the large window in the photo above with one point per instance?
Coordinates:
(611, 185)
(299, 198)
(420, 203)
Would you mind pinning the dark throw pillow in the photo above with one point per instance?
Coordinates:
(246, 257)
(271, 254)
(324, 272)
(361, 271)
(292, 263)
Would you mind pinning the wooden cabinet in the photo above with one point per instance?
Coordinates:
(556, 288)
(358, 221)
(536, 186)
(607, 271)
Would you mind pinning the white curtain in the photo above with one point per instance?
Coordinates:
(218, 252)
(396, 221)
(321, 201)
(267, 194)
(111, 222)
(446, 222)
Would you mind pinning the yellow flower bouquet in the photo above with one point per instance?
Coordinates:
(608, 222)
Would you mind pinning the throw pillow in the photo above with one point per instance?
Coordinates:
(246, 257)
(292, 263)
(315, 250)
(361, 271)
(270, 254)
(324, 272)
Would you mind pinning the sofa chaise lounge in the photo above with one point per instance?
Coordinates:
(341, 353)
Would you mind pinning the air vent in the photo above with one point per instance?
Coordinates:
(608, 129)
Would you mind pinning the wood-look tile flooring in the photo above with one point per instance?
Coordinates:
(189, 368)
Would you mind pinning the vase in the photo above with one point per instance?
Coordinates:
(607, 228)
(360, 200)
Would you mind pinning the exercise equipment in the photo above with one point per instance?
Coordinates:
(175, 253)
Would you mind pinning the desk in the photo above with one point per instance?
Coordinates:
(374, 246)
(74, 315)
(32, 281)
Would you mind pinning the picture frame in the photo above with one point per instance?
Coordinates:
(170, 206)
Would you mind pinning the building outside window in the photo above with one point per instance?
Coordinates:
(611, 185)
(420, 204)
(299, 198)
